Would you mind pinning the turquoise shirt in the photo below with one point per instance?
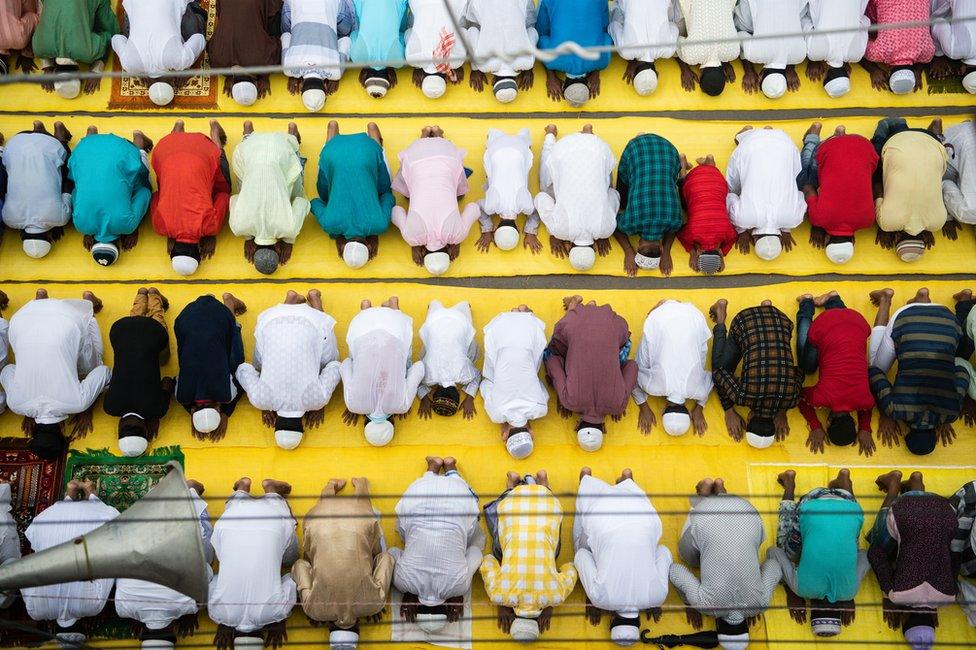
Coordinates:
(354, 183)
(112, 188)
(379, 31)
(829, 529)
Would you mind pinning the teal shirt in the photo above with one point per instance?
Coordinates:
(379, 31)
(112, 188)
(829, 529)
(354, 186)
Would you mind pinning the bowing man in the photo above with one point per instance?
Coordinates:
(831, 54)
(449, 353)
(756, 20)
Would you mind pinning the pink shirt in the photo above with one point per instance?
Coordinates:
(900, 46)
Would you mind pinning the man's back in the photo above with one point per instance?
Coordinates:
(33, 162)
(829, 528)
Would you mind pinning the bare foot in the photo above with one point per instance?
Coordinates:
(179, 126)
(587, 128)
(843, 481)
(4, 300)
(890, 482)
(766, 303)
(434, 464)
(366, 304)
(293, 130)
(436, 132)
(708, 160)
(374, 132)
(965, 294)
(704, 487)
(234, 304)
(315, 299)
(572, 302)
(804, 296)
(840, 130)
(787, 478)
(625, 475)
(450, 464)
(41, 294)
(542, 478)
(248, 127)
(881, 295)
(243, 484)
(92, 130)
(340, 484)
(332, 131)
(217, 133)
(62, 133)
(294, 298)
(94, 300)
(821, 300)
(392, 303)
(277, 487)
(921, 297)
(935, 127)
(718, 310)
(814, 129)
(914, 483)
(195, 485)
(719, 487)
(586, 471)
(512, 479)
(155, 292)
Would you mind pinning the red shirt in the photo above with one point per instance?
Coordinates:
(840, 336)
(193, 195)
(845, 204)
(704, 191)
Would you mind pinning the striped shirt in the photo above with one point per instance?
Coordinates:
(964, 503)
(647, 180)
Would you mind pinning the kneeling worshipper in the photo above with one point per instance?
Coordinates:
(650, 207)
(158, 38)
(584, 22)
(377, 37)
(437, 519)
(210, 349)
(72, 32)
(37, 189)
(894, 57)
(721, 537)
(838, 183)
(379, 381)
(833, 344)
(816, 549)
(508, 163)
(355, 192)
(621, 562)
(162, 614)
(433, 177)
(770, 383)
(68, 603)
(314, 44)
(910, 552)
(521, 576)
(449, 353)
(270, 207)
(955, 41)
(931, 383)
(764, 202)
(58, 372)
(576, 201)
(959, 182)
(708, 234)
(502, 34)
(586, 363)
(713, 22)
(671, 364)
(634, 25)
(514, 395)
(250, 599)
(296, 366)
(190, 206)
(908, 187)
(111, 191)
(756, 21)
(137, 394)
(836, 36)
(247, 35)
(345, 573)
(18, 19)
(432, 46)
(963, 501)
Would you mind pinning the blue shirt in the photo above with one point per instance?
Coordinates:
(378, 34)
(829, 529)
(584, 22)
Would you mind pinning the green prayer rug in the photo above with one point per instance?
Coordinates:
(120, 481)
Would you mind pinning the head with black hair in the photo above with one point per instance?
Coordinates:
(712, 80)
(47, 441)
(445, 400)
(841, 430)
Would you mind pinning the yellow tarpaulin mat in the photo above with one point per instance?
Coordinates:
(315, 254)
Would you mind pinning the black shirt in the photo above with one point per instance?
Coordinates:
(136, 386)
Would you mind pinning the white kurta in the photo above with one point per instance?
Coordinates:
(450, 349)
(956, 40)
(35, 202)
(252, 540)
(505, 27)
(155, 43)
(70, 601)
(511, 387)
(636, 23)
(767, 17)
(835, 49)
(577, 202)
(430, 21)
(959, 184)
(762, 172)
(4, 350)
(9, 540)
(437, 519)
(621, 563)
(378, 378)
(672, 353)
(55, 342)
(311, 45)
(707, 20)
(296, 361)
(508, 161)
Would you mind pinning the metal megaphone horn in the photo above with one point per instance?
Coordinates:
(157, 539)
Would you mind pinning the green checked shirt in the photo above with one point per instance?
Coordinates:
(647, 180)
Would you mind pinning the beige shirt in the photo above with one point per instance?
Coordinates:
(913, 163)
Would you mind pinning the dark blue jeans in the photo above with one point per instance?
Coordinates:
(807, 355)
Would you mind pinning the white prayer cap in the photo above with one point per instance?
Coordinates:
(68, 89)
(969, 82)
(185, 265)
(520, 445)
(838, 87)
(645, 82)
(63, 60)
(157, 644)
(314, 99)
(437, 263)
(161, 93)
(582, 258)
(758, 441)
(589, 438)
(132, 446)
(70, 639)
(825, 626)
(506, 237)
(431, 623)
(343, 640)
(244, 642)
(105, 253)
(506, 90)
(768, 247)
(525, 629)
(577, 94)
(676, 424)
(36, 248)
(627, 631)
(378, 432)
(377, 87)
(774, 85)
(244, 93)
(288, 439)
(734, 641)
(206, 420)
(909, 250)
(902, 81)
(646, 262)
(433, 86)
(355, 254)
(840, 252)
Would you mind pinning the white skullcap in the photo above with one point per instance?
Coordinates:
(314, 99)
(969, 82)
(433, 86)
(377, 87)
(525, 629)
(589, 438)
(577, 94)
(185, 265)
(902, 81)
(288, 439)
(132, 446)
(63, 60)
(68, 89)
(431, 623)
(206, 420)
(676, 424)
(161, 93)
(379, 433)
(506, 237)
(827, 626)
(244, 642)
(774, 85)
(343, 640)
(734, 641)
(36, 248)
(70, 639)
(758, 441)
(646, 262)
(505, 90)
(105, 253)
(244, 93)
(157, 644)
(838, 87)
(645, 82)
(582, 258)
(437, 263)
(768, 247)
(840, 252)
(355, 254)
(626, 634)
(909, 250)
(520, 445)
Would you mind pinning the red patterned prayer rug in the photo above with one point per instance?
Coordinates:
(35, 483)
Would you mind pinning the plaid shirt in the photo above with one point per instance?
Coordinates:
(770, 381)
(527, 579)
(963, 555)
(647, 180)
